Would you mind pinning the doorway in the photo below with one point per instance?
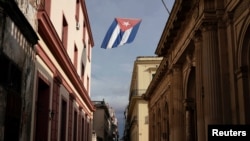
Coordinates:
(42, 111)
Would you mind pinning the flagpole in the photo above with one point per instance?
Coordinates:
(165, 6)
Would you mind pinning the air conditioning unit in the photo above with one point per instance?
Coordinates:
(77, 25)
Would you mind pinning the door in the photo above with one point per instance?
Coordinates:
(42, 111)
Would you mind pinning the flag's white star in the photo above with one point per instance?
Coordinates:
(126, 24)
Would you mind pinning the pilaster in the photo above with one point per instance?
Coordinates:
(224, 70)
(211, 74)
(199, 87)
(178, 111)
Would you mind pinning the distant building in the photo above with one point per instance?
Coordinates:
(136, 114)
(105, 123)
(203, 78)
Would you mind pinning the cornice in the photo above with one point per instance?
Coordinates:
(159, 76)
(178, 14)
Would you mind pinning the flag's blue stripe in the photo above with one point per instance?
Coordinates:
(131, 36)
(109, 34)
(118, 39)
(133, 33)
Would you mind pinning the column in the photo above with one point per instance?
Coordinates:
(211, 74)
(178, 111)
(199, 83)
(169, 92)
(231, 66)
(226, 90)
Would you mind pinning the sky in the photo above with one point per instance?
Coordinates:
(112, 68)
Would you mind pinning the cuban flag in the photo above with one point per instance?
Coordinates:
(121, 31)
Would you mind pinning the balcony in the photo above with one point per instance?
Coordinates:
(136, 93)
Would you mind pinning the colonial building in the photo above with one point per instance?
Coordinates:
(62, 106)
(203, 78)
(105, 124)
(45, 75)
(136, 116)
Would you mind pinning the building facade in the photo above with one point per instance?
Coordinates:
(62, 106)
(45, 84)
(105, 123)
(203, 78)
(136, 116)
(17, 59)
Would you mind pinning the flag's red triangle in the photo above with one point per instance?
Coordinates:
(127, 23)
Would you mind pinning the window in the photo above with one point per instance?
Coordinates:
(88, 84)
(82, 74)
(146, 119)
(84, 29)
(64, 32)
(153, 75)
(89, 50)
(77, 14)
(75, 56)
(77, 10)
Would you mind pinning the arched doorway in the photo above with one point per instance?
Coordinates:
(190, 114)
(243, 74)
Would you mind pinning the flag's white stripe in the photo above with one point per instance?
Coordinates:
(113, 36)
(125, 37)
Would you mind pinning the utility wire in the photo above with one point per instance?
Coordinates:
(165, 6)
